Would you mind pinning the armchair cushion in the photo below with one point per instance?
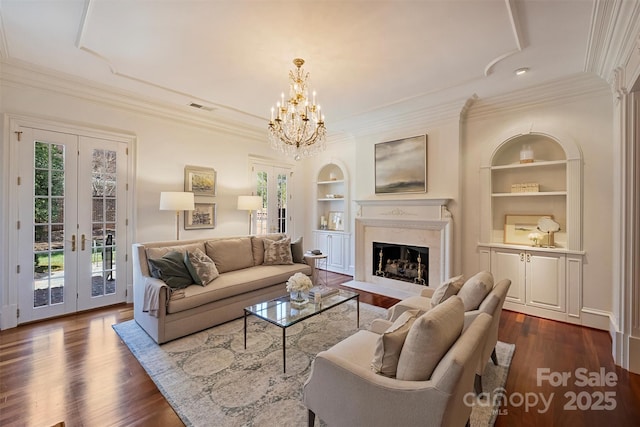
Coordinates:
(475, 290)
(429, 338)
(389, 345)
(446, 290)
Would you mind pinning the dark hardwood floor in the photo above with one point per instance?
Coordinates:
(75, 369)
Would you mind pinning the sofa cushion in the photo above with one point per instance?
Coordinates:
(230, 254)
(201, 267)
(235, 283)
(475, 290)
(429, 339)
(277, 252)
(297, 250)
(170, 268)
(389, 345)
(446, 290)
(257, 244)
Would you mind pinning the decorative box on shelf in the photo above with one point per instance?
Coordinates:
(530, 187)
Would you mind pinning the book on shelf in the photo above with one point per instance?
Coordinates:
(323, 291)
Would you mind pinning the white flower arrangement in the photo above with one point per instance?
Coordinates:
(299, 282)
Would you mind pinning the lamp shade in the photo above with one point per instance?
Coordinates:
(249, 203)
(176, 201)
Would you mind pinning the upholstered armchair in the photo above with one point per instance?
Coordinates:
(344, 390)
(491, 304)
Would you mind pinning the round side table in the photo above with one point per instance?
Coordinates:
(318, 261)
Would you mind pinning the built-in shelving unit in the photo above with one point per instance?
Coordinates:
(332, 236)
(546, 281)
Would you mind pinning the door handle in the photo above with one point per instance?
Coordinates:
(521, 256)
(83, 242)
(73, 243)
(528, 257)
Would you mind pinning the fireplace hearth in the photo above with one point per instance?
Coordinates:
(401, 262)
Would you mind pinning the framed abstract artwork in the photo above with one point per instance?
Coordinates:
(401, 166)
(200, 181)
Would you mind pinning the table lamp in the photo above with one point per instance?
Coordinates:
(177, 201)
(249, 203)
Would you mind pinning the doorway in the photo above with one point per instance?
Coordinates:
(72, 222)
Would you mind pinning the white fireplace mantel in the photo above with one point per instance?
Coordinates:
(422, 222)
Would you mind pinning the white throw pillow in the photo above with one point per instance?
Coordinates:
(389, 345)
(475, 290)
(446, 290)
(429, 339)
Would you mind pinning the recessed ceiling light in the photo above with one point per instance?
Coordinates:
(521, 71)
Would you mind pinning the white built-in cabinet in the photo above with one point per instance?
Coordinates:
(332, 236)
(545, 281)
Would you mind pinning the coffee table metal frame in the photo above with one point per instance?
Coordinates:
(282, 313)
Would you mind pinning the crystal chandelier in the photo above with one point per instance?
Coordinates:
(297, 127)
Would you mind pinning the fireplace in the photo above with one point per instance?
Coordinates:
(424, 223)
(401, 262)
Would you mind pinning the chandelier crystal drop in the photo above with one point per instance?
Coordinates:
(296, 127)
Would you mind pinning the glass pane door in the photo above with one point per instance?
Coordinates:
(72, 212)
(102, 213)
(47, 224)
(272, 185)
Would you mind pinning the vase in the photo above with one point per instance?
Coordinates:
(298, 298)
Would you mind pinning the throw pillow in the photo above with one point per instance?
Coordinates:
(201, 267)
(475, 290)
(171, 270)
(296, 251)
(447, 290)
(429, 339)
(277, 252)
(389, 345)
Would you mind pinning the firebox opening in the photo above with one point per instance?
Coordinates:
(401, 262)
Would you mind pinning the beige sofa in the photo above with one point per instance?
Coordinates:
(243, 280)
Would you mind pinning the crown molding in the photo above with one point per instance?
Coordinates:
(615, 26)
(561, 91)
(20, 74)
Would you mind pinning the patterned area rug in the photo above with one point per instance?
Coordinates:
(210, 379)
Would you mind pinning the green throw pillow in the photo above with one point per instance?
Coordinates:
(171, 270)
(296, 251)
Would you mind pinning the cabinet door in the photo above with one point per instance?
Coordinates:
(320, 242)
(509, 264)
(545, 274)
(336, 252)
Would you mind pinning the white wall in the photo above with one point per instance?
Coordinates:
(443, 169)
(164, 146)
(587, 121)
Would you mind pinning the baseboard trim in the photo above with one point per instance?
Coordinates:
(597, 319)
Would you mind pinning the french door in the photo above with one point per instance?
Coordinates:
(72, 223)
(272, 184)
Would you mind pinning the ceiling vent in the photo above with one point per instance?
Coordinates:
(200, 107)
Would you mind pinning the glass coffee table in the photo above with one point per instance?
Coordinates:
(281, 312)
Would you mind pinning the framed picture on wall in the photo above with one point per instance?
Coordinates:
(401, 166)
(203, 216)
(200, 181)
